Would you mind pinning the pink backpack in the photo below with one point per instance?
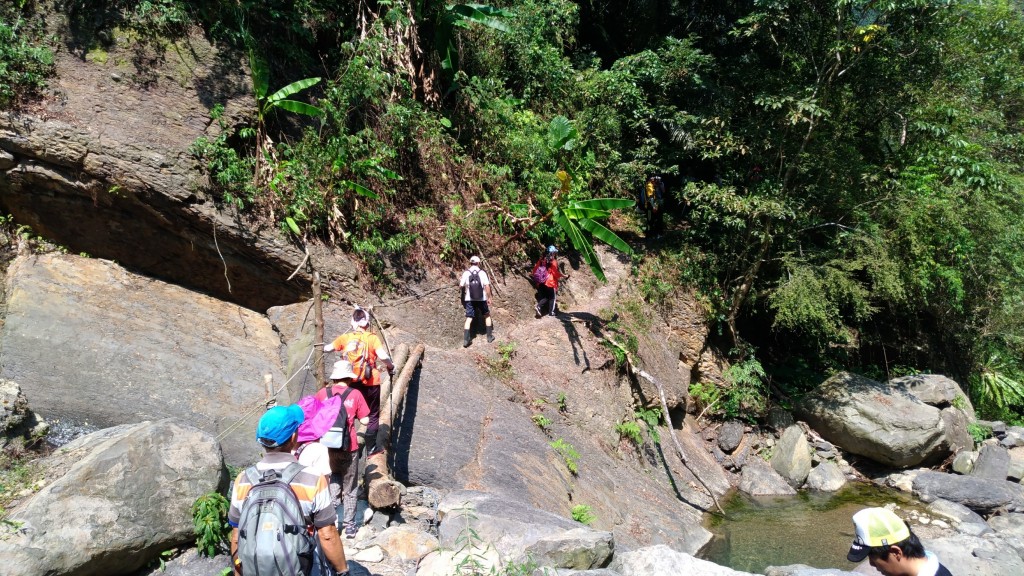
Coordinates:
(320, 416)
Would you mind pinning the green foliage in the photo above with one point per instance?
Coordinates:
(561, 402)
(501, 367)
(568, 453)
(979, 432)
(25, 59)
(999, 386)
(743, 395)
(19, 472)
(630, 430)
(210, 522)
(652, 418)
(583, 514)
(542, 422)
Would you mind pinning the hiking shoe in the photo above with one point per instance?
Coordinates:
(537, 308)
(350, 532)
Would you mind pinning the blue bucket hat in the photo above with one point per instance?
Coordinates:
(552, 249)
(278, 425)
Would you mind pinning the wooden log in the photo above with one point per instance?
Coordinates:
(383, 491)
(401, 356)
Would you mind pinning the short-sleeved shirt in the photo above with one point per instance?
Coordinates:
(360, 347)
(484, 283)
(311, 489)
(355, 406)
(313, 455)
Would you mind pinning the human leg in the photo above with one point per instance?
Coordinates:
(470, 314)
(347, 464)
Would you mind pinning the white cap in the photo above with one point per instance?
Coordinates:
(342, 369)
(474, 259)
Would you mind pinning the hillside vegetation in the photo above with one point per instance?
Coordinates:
(844, 176)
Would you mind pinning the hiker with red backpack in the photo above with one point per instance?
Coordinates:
(545, 277)
(476, 298)
(280, 509)
(363, 349)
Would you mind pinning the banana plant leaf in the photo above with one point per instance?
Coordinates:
(580, 242)
(361, 190)
(298, 107)
(605, 235)
(579, 213)
(604, 203)
(293, 88)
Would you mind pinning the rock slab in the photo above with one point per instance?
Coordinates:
(114, 500)
(792, 457)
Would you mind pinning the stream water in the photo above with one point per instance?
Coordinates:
(811, 528)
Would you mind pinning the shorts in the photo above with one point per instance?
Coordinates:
(472, 306)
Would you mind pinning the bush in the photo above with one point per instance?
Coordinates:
(210, 520)
(583, 514)
(25, 63)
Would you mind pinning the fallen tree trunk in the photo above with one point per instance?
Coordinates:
(383, 491)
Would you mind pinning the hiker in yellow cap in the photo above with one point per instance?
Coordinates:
(890, 546)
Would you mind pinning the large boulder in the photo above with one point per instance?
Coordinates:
(760, 479)
(993, 462)
(934, 390)
(965, 554)
(826, 477)
(520, 532)
(664, 561)
(113, 501)
(979, 494)
(89, 341)
(882, 422)
(792, 456)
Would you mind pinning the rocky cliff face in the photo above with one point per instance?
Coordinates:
(102, 166)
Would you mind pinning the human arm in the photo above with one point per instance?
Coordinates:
(235, 566)
(330, 543)
(337, 344)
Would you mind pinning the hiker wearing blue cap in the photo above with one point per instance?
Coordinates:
(277, 504)
(545, 277)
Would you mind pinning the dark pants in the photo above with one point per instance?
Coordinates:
(546, 299)
(372, 396)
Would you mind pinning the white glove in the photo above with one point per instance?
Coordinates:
(328, 347)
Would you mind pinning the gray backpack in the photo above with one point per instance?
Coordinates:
(274, 536)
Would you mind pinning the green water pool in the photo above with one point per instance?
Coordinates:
(811, 528)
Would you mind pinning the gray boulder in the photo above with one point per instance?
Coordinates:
(17, 421)
(935, 390)
(963, 518)
(135, 349)
(884, 423)
(663, 561)
(1013, 437)
(979, 494)
(760, 479)
(730, 435)
(792, 456)
(114, 500)
(826, 477)
(963, 462)
(519, 532)
(993, 462)
(964, 554)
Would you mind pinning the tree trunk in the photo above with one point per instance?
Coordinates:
(383, 491)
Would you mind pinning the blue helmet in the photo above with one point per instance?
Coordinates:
(552, 249)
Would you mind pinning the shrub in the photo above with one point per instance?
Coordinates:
(210, 520)
(568, 453)
(25, 62)
(978, 432)
(583, 514)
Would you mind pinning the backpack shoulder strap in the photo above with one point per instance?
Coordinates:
(348, 390)
(253, 475)
(289, 473)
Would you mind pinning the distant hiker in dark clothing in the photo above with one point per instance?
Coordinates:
(651, 201)
(890, 546)
(476, 297)
(545, 277)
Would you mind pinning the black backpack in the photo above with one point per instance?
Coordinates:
(475, 287)
(339, 435)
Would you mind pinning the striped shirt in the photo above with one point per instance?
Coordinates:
(311, 489)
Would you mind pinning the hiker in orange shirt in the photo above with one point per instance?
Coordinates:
(362, 349)
(545, 276)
